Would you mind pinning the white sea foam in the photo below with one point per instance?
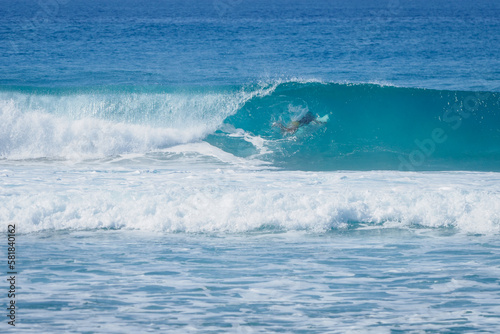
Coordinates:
(37, 134)
(81, 126)
(93, 125)
(206, 150)
(234, 200)
(258, 142)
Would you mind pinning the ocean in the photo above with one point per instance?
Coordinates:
(233, 166)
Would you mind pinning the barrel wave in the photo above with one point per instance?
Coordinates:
(370, 126)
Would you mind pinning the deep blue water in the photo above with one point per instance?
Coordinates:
(443, 44)
(142, 162)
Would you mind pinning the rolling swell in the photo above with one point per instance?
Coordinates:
(370, 127)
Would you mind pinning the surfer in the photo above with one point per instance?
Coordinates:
(304, 120)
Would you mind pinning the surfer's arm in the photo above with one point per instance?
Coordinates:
(279, 125)
(285, 129)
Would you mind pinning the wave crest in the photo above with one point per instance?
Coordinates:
(32, 135)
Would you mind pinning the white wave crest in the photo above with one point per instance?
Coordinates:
(31, 135)
(86, 125)
(227, 200)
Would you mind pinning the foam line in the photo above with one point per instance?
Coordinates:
(235, 200)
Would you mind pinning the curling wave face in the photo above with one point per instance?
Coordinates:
(370, 126)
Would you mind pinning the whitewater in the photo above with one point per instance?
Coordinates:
(177, 193)
(185, 210)
(171, 144)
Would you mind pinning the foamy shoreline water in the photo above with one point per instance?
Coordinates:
(343, 281)
(232, 198)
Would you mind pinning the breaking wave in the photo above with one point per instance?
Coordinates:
(370, 126)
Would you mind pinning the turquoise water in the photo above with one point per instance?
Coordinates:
(152, 192)
(370, 126)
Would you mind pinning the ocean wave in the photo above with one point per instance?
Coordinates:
(86, 124)
(33, 135)
(370, 126)
(240, 201)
